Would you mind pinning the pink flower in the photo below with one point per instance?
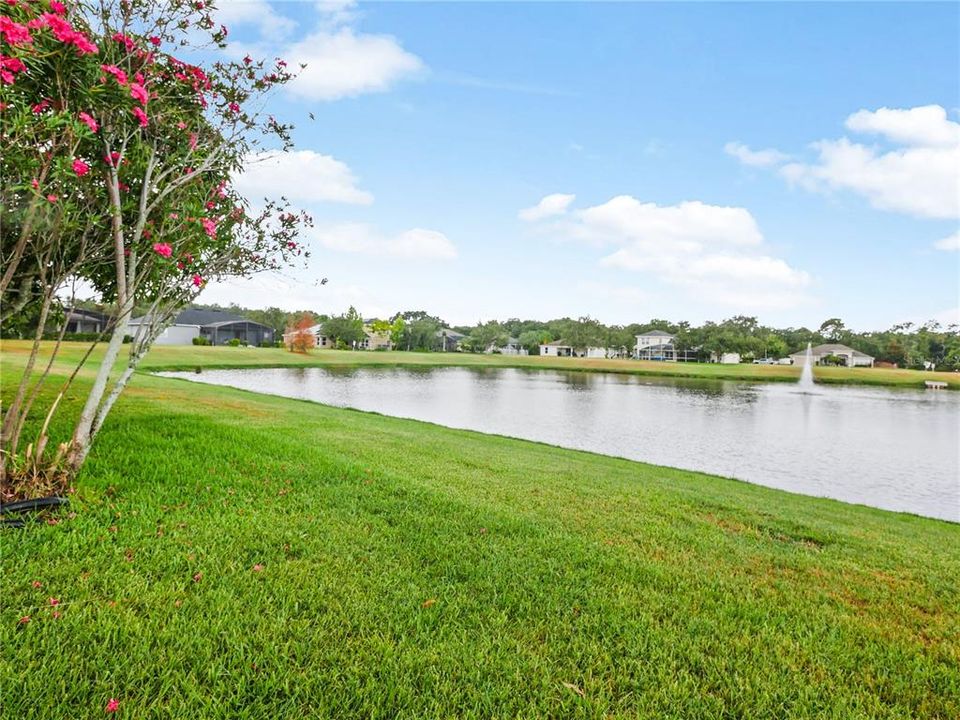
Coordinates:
(80, 167)
(54, 602)
(57, 7)
(40, 106)
(12, 64)
(154, 40)
(127, 42)
(141, 116)
(193, 141)
(120, 75)
(181, 125)
(112, 159)
(35, 184)
(88, 120)
(37, 584)
(197, 281)
(24, 620)
(163, 249)
(112, 705)
(209, 226)
(83, 44)
(139, 93)
(234, 107)
(53, 199)
(247, 60)
(14, 33)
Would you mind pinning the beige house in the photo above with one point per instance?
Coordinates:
(850, 357)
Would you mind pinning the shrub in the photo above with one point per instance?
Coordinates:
(200, 340)
(235, 342)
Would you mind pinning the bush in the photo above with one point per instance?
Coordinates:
(200, 340)
(235, 342)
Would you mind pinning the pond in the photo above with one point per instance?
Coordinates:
(893, 449)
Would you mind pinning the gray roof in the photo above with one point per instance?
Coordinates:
(192, 316)
(655, 333)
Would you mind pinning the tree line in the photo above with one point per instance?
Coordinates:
(905, 344)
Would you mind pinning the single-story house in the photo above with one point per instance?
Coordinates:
(217, 326)
(655, 345)
(557, 348)
(79, 320)
(511, 347)
(449, 340)
(727, 358)
(849, 356)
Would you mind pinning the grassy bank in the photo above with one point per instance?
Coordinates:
(190, 357)
(243, 556)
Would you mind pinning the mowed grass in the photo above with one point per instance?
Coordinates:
(172, 357)
(243, 556)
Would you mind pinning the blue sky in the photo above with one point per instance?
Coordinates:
(623, 160)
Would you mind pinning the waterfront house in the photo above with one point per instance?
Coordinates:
(217, 326)
(655, 345)
(847, 355)
(557, 348)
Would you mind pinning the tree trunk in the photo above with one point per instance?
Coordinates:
(82, 434)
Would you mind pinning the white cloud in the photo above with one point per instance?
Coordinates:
(925, 126)
(549, 206)
(417, 243)
(343, 63)
(271, 25)
(301, 175)
(918, 176)
(714, 251)
(340, 60)
(951, 242)
(755, 158)
(686, 225)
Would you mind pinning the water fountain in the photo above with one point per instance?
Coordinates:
(806, 375)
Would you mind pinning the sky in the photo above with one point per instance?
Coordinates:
(626, 161)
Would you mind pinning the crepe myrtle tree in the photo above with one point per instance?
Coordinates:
(152, 143)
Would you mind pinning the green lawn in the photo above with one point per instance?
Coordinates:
(243, 556)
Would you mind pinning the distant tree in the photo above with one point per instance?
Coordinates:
(833, 329)
(301, 338)
(487, 335)
(531, 340)
(346, 329)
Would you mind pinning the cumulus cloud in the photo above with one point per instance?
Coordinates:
(951, 242)
(549, 206)
(755, 158)
(260, 13)
(915, 173)
(301, 175)
(716, 251)
(343, 63)
(418, 243)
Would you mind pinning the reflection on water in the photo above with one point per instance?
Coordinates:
(895, 449)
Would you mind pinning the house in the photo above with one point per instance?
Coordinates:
(556, 348)
(511, 347)
(848, 356)
(449, 340)
(374, 341)
(559, 348)
(79, 320)
(655, 345)
(217, 326)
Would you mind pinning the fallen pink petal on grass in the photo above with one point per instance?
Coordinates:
(112, 705)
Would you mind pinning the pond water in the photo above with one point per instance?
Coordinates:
(893, 449)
